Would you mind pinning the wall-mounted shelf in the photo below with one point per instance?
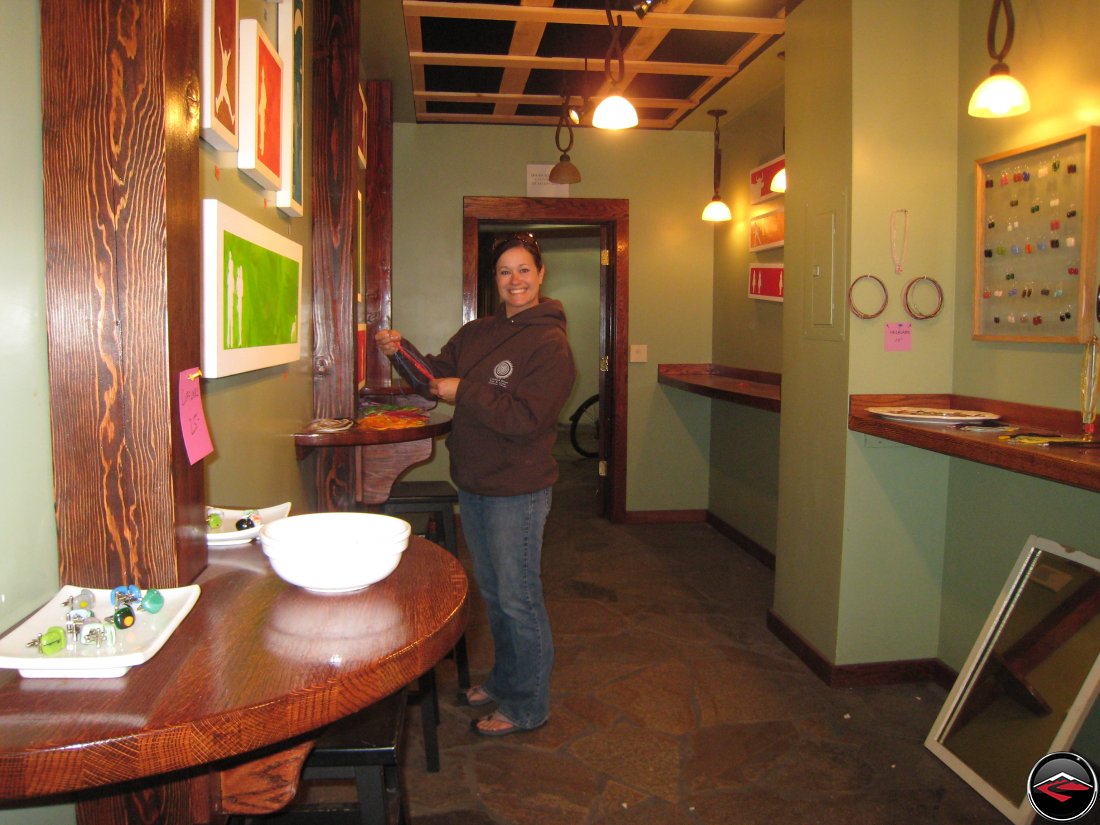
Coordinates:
(1074, 466)
(752, 388)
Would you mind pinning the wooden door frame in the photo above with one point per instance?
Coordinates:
(614, 215)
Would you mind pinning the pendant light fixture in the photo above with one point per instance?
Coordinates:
(1000, 94)
(716, 210)
(564, 171)
(614, 111)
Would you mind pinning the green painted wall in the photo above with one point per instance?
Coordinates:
(252, 414)
(671, 265)
(992, 512)
(815, 354)
(904, 127)
(748, 333)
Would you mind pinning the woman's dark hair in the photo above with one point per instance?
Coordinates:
(524, 239)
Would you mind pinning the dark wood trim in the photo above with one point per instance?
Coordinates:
(614, 216)
(664, 517)
(378, 215)
(750, 388)
(1068, 465)
(869, 674)
(336, 180)
(758, 551)
(122, 240)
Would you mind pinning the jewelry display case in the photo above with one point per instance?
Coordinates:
(1035, 242)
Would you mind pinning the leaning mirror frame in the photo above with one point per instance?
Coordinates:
(974, 674)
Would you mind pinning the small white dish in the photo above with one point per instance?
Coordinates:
(227, 534)
(133, 646)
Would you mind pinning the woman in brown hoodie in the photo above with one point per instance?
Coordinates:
(508, 376)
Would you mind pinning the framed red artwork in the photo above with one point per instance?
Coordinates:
(219, 74)
(766, 230)
(766, 282)
(760, 180)
(261, 82)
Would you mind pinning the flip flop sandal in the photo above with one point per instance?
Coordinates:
(511, 728)
(464, 697)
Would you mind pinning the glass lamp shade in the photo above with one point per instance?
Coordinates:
(779, 182)
(614, 112)
(565, 172)
(716, 210)
(999, 95)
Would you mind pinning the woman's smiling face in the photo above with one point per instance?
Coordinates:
(518, 280)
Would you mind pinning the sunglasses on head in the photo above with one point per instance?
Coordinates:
(524, 239)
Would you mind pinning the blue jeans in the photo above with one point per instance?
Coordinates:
(504, 535)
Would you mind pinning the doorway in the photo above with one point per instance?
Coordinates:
(610, 220)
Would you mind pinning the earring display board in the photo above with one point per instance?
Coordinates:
(1035, 241)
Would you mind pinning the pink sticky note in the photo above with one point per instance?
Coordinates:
(899, 337)
(196, 436)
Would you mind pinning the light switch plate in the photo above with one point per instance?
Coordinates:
(639, 353)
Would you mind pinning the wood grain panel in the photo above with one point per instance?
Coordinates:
(121, 191)
(336, 180)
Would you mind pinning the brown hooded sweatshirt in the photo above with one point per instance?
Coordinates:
(516, 374)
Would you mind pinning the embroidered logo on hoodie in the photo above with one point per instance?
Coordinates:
(501, 372)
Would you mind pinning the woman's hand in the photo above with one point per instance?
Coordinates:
(445, 389)
(387, 340)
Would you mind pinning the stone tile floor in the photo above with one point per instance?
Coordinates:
(673, 704)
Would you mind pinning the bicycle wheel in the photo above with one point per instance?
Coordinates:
(584, 428)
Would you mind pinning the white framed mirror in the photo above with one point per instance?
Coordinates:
(1030, 679)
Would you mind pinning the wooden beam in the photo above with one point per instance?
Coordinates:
(658, 20)
(574, 64)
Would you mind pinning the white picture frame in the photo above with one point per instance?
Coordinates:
(260, 123)
(252, 313)
(292, 35)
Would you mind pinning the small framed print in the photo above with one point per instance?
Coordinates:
(766, 230)
(292, 52)
(261, 83)
(219, 74)
(766, 282)
(760, 180)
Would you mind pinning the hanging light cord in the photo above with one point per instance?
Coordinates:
(1010, 31)
(717, 159)
(614, 48)
(563, 120)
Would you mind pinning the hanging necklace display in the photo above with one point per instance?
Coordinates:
(896, 254)
(860, 313)
(907, 300)
(1090, 365)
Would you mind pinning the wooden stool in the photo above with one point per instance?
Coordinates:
(437, 499)
(366, 747)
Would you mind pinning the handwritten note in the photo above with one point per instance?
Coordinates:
(196, 436)
(899, 337)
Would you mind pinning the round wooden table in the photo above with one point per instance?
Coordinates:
(245, 682)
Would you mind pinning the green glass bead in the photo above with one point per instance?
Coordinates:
(53, 641)
(152, 601)
(124, 617)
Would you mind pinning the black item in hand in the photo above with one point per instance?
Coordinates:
(411, 366)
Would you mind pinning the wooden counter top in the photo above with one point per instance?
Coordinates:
(1068, 465)
(439, 423)
(257, 662)
(750, 388)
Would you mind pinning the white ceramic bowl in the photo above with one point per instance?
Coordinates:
(335, 552)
